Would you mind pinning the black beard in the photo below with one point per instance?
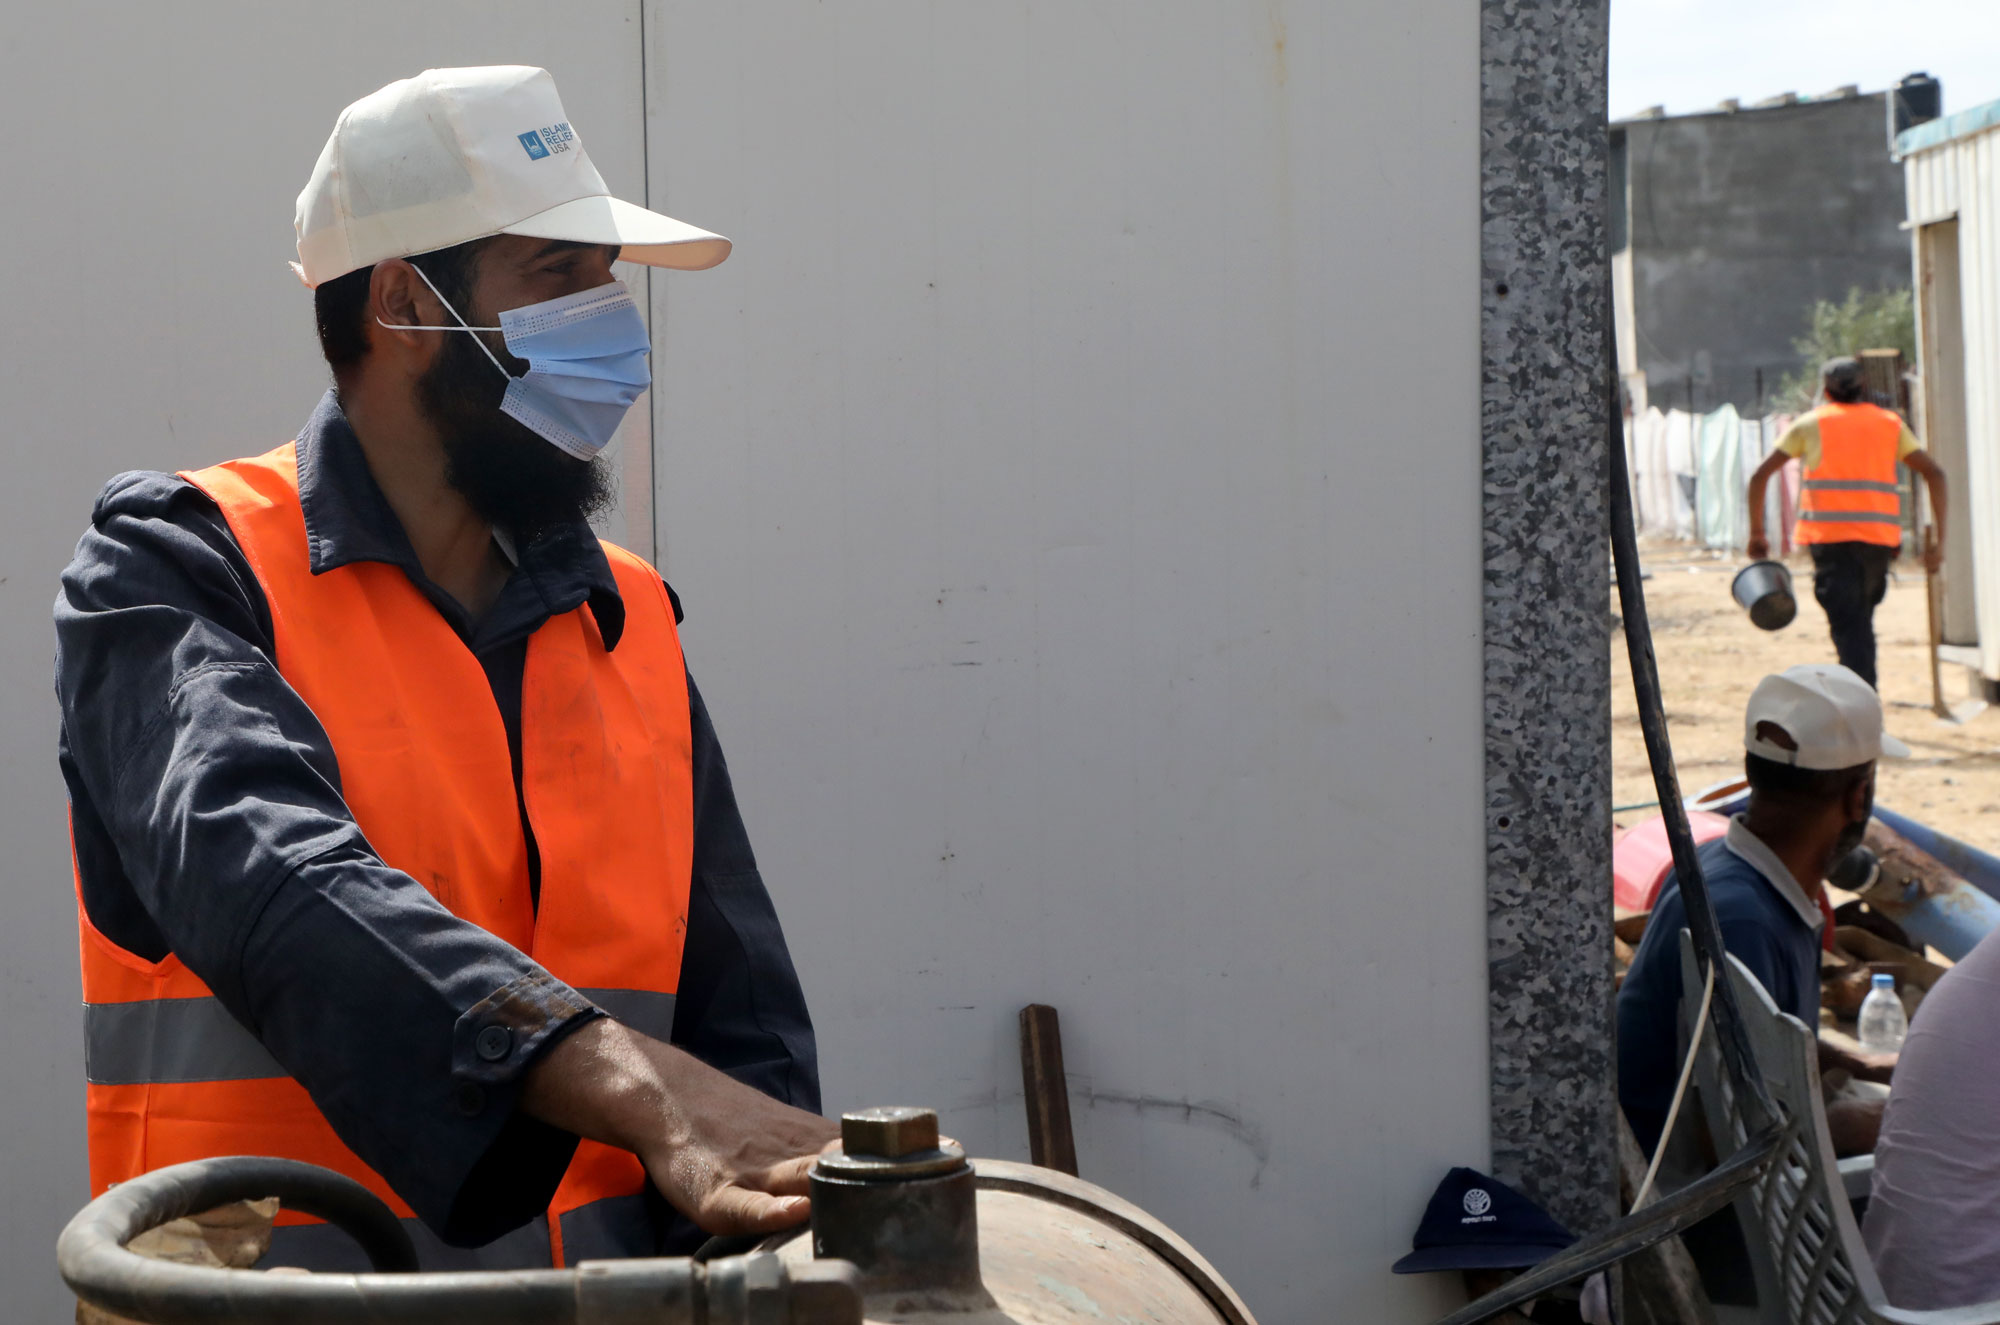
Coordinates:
(1850, 836)
(514, 478)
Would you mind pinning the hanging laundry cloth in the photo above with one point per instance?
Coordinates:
(1683, 469)
(1722, 507)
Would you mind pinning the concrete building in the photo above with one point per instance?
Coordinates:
(1730, 223)
(1023, 476)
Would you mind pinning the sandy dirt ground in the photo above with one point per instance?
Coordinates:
(1711, 656)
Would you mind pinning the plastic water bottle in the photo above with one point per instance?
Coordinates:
(1883, 1024)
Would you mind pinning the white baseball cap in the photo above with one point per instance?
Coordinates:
(454, 155)
(1833, 716)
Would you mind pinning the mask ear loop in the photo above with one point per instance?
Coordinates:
(462, 325)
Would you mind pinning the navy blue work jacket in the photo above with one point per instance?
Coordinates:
(208, 822)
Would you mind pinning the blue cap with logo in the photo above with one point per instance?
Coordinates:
(1479, 1223)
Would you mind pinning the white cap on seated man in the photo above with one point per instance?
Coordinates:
(1818, 716)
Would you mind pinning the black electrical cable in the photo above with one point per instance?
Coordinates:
(1697, 1200)
(1731, 1038)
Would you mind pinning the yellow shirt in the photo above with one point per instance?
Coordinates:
(1802, 438)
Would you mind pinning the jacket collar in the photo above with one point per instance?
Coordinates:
(349, 520)
(1751, 849)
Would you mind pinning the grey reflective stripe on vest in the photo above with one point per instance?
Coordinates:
(614, 1228)
(1848, 485)
(1851, 517)
(170, 1041)
(326, 1250)
(174, 1041)
(643, 1010)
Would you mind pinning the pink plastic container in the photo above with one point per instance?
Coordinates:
(1641, 859)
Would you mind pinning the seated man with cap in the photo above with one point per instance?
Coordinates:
(404, 844)
(1811, 736)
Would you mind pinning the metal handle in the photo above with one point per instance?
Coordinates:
(101, 1270)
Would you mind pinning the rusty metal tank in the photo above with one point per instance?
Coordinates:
(938, 1237)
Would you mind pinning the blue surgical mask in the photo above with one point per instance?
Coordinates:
(586, 356)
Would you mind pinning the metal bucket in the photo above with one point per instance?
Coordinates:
(1764, 589)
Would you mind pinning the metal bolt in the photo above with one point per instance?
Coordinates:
(889, 1132)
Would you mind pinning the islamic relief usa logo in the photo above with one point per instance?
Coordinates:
(547, 140)
(1478, 1201)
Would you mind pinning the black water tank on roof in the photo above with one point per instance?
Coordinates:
(1915, 99)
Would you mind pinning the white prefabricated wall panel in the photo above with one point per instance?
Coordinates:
(1073, 483)
(1961, 177)
(151, 323)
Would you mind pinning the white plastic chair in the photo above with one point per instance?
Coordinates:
(1806, 1252)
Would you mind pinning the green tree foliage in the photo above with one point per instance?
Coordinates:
(1879, 321)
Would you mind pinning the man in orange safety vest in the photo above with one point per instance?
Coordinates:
(1849, 514)
(403, 842)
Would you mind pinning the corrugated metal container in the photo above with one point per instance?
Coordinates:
(1030, 474)
(1954, 223)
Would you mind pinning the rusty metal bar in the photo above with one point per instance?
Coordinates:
(1050, 1141)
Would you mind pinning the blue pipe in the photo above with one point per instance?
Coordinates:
(1976, 867)
(1952, 921)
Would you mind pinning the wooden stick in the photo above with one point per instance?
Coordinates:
(1050, 1143)
(1931, 588)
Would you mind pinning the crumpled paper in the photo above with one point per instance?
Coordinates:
(229, 1237)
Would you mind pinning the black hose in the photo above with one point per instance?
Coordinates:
(156, 1198)
(1731, 1037)
(99, 1269)
(1696, 1201)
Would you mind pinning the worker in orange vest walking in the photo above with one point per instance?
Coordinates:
(403, 841)
(1849, 513)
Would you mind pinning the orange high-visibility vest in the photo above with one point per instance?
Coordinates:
(1850, 496)
(607, 780)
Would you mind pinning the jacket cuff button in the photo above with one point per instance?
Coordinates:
(494, 1043)
(468, 1099)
